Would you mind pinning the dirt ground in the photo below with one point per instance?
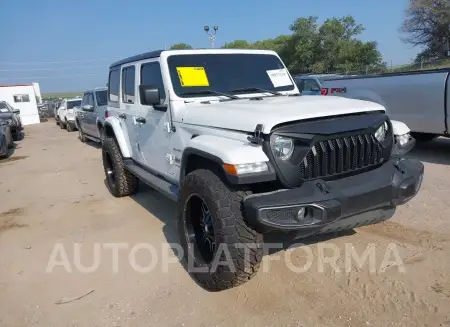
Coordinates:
(52, 192)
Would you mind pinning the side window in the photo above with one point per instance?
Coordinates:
(300, 85)
(311, 84)
(90, 99)
(114, 85)
(151, 75)
(128, 84)
(84, 101)
(21, 98)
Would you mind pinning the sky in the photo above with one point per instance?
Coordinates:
(68, 45)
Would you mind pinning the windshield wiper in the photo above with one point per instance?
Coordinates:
(210, 92)
(255, 89)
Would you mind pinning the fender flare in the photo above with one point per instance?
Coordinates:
(117, 127)
(222, 150)
(399, 128)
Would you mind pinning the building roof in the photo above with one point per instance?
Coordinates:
(13, 85)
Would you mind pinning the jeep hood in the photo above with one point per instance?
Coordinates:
(245, 114)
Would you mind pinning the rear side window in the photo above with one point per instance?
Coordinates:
(128, 84)
(151, 75)
(90, 99)
(85, 99)
(310, 84)
(114, 85)
(100, 96)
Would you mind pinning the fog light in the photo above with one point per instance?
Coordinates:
(301, 214)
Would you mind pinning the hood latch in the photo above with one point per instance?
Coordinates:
(257, 137)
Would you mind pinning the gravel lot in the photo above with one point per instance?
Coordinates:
(52, 191)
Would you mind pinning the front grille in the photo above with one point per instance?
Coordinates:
(341, 155)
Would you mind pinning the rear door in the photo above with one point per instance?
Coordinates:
(100, 100)
(81, 114)
(91, 116)
(128, 103)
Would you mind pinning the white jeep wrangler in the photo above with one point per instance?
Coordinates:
(227, 135)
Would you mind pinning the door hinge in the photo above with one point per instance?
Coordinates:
(170, 158)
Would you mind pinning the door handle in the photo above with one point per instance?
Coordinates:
(123, 116)
(140, 120)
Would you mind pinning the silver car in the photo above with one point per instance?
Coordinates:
(90, 118)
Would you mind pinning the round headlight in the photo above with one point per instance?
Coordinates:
(381, 132)
(283, 147)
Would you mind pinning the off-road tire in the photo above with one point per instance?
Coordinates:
(125, 183)
(225, 207)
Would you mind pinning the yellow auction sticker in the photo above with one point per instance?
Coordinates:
(192, 76)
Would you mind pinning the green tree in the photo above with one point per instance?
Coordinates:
(330, 47)
(427, 24)
(237, 44)
(180, 46)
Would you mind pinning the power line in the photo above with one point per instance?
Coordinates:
(52, 69)
(54, 62)
(63, 76)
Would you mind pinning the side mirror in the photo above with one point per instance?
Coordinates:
(87, 107)
(16, 111)
(149, 95)
(315, 89)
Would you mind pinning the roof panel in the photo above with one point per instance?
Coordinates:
(142, 56)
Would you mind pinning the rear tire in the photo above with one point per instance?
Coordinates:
(225, 229)
(16, 136)
(69, 126)
(11, 139)
(120, 182)
(81, 135)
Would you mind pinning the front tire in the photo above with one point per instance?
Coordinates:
(206, 201)
(120, 181)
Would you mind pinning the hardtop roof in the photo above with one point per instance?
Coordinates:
(157, 54)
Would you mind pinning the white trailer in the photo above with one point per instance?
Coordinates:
(22, 97)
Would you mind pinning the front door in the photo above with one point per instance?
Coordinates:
(153, 126)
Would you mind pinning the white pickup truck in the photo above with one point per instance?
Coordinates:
(420, 99)
(226, 134)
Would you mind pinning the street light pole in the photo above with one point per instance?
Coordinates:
(212, 34)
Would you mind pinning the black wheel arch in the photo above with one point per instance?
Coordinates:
(193, 158)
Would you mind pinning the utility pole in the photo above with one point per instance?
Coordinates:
(211, 34)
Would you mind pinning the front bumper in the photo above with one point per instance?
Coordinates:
(367, 197)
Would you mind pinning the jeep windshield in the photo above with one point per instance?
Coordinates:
(196, 75)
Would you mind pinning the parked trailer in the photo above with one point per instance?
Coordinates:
(421, 99)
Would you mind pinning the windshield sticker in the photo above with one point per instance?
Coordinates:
(4, 110)
(279, 77)
(192, 76)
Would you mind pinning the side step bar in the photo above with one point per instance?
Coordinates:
(168, 189)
